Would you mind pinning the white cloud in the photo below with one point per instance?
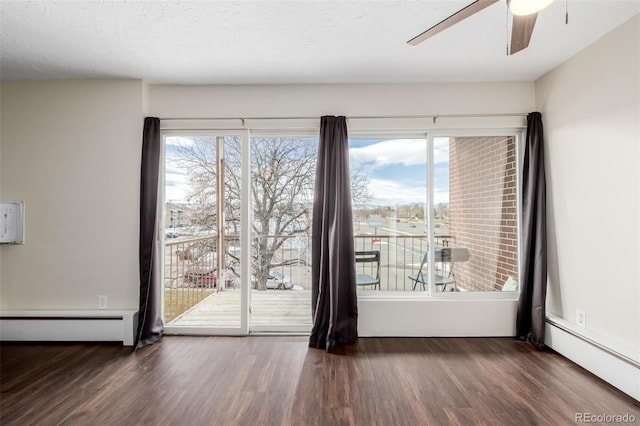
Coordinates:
(440, 150)
(440, 197)
(176, 186)
(390, 192)
(176, 181)
(180, 141)
(393, 192)
(405, 152)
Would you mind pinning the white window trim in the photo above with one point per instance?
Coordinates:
(519, 135)
(432, 294)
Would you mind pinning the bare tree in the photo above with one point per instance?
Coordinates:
(282, 178)
(283, 172)
(360, 194)
(411, 211)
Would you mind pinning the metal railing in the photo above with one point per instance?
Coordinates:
(191, 273)
(400, 256)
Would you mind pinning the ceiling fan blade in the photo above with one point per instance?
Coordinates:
(464, 13)
(521, 31)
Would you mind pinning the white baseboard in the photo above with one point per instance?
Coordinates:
(614, 364)
(102, 325)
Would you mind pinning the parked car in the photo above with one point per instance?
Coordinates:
(201, 276)
(279, 281)
(275, 281)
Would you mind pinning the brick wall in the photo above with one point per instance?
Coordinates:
(482, 210)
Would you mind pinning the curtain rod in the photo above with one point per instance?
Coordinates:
(360, 117)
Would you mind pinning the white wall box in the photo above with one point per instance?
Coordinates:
(11, 222)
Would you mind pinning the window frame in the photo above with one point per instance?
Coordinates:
(245, 237)
(431, 293)
(518, 134)
(373, 130)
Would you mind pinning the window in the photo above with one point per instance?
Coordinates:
(389, 204)
(479, 211)
(457, 194)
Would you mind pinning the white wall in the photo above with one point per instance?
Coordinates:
(71, 152)
(591, 114)
(354, 100)
(78, 169)
(1, 196)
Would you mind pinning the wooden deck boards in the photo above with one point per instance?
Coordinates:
(271, 307)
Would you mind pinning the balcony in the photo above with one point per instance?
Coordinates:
(193, 296)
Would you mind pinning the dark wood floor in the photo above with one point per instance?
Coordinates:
(279, 381)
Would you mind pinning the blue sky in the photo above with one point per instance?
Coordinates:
(176, 178)
(396, 169)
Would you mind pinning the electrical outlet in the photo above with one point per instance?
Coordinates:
(103, 301)
(581, 318)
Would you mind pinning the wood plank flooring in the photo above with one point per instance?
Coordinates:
(263, 380)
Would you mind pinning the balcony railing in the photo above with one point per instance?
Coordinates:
(191, 273)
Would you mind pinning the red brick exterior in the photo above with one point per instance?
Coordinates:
(483, 210)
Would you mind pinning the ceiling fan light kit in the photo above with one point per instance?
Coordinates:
(527, 7)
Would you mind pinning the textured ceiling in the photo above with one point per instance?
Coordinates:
(287, 42)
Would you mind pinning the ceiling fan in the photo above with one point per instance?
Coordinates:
(524, 12)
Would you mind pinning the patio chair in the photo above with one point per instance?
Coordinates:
(443, 254)
(367, 280)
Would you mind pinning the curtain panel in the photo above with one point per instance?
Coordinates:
(530, 322)
(150, 326)
(333, 278)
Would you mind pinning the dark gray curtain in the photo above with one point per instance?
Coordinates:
(530, 322)
(150, 324)
(333, 277)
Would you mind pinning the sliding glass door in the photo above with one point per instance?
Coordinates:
(205, 219)
(282, 183)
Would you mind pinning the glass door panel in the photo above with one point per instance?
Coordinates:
(282, 179)
(203, 271)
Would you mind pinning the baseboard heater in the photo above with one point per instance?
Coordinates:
(613, 363)
(103, 325)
